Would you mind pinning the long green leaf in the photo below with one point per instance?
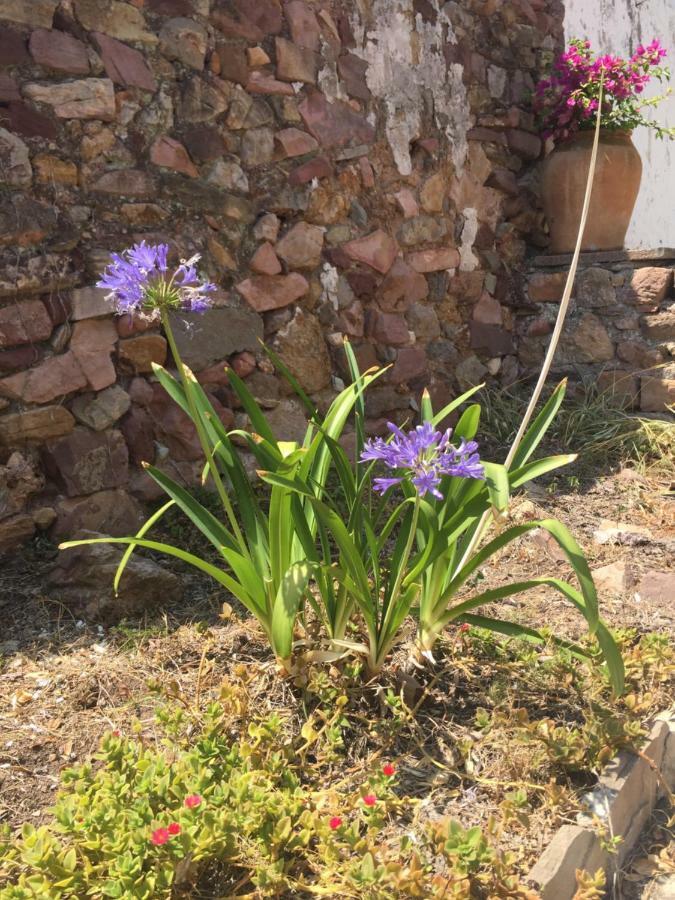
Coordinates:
(291, 590)
(538, 467)
(143, 530)
(468, 423)
(535, 433)
(450, 407)
(229, 583)
(567, 543)
(497, 480)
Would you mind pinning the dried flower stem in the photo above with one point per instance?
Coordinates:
(555, 337)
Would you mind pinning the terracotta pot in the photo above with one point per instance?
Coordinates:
(615, 189)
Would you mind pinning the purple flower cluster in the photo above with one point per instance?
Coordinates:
(139, 278)
(425, 456)
(568, 100)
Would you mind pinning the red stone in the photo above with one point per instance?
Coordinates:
(265, 261)
(137, 429)
(294, 142)
(488, 135)
(352, 71)
(295, 63)
(503, 180)
(87, 461)
(649, 287)
(135, 323)
(235, 27)
(92, 343)
(264, 292)
(435, 260)
(53, 378)
(335, 124)
(22, 119)
(301, 247)
(523, 144)
(377, 250)
(539, 328)
(406, 200)
(125, 183)
(243, 363)
(319, 167)
(487, 311)
(546, 287)
(171, 7)
(233, 62)
(401, 288)
(171, 154)
(386, 328)
(58, 50)
(23, 323)
(303, 25)
(19, 358)
(204, 143)
(351, 320)
(123, 64)
(13, 50)
(492, 339)
(367, 174)
(264, 83)
(264, 14)
(9, 89)
(411, 363)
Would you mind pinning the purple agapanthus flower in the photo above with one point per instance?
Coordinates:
(139, 278)
(424, 456)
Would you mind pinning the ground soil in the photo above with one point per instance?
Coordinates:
(64, 682)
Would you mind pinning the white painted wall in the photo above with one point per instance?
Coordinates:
(618, 26)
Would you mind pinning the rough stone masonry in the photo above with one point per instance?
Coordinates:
(358, 169)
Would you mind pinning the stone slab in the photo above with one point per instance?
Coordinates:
(624, 798)
(605, 256)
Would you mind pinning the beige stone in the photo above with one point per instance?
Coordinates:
(87, 98)
(119, 20)
(36, 13)
(35, 425)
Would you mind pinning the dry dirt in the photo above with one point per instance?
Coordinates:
(63, 682)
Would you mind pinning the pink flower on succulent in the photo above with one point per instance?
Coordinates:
(160, 836)
(174, 828)
(334, 823)
(192, 800)
(388, 769)
(370, 799)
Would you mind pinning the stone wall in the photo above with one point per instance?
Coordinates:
(620, 330)
(345, 167)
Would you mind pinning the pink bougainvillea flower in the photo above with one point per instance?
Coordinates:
(370, 799)
(192, 800)
(174, 828)
(334, 822)
(159, 836)
(388, 769)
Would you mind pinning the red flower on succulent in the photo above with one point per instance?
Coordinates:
(370, 799)
(174, 828)
(160, 836)
(192, 800)
(464, 628)
(388, 769)
(334, 822)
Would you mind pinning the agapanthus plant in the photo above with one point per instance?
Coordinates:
(567, 101)
(139, 279)
(424, 455)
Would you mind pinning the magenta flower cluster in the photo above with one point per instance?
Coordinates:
(424, 455)
(139, 278)
(567, 101)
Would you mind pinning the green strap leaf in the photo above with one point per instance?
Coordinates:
(439, 416)
(533, 470)
(229, 583)
(534, 434)
(497, 480)
(468, 423)
(147, 525)
(291, 591)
